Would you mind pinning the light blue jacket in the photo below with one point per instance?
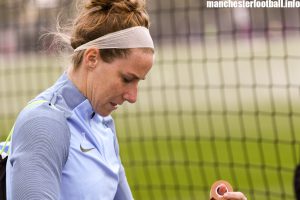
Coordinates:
(64, 150)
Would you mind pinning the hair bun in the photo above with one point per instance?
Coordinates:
(117, 5)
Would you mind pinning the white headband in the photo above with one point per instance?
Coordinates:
(134, 37)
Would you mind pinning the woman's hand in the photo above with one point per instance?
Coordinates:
(234, 196)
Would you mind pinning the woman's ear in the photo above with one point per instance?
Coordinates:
(91, 58)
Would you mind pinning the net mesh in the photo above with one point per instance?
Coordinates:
(221, 102)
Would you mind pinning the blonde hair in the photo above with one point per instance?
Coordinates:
(100, 17)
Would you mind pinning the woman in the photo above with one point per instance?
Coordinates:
(65, 146)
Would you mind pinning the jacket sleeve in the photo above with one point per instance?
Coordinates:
(123, 191)
(39, 150)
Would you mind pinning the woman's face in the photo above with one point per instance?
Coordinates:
(110, 84)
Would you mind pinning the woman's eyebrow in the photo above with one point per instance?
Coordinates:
(136, 76)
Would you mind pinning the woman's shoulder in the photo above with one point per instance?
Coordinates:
(42, 120)
(41, 110)
(42, 131)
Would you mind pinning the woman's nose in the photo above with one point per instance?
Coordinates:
(131, 95)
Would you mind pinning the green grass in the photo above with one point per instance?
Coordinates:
(183, 165)
(194, 173)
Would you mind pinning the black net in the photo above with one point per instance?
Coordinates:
(221, 102)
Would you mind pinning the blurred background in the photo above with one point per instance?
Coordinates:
(221, 102)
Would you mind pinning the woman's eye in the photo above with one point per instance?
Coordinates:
(126, 80)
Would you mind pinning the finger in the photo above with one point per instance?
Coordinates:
(234, 196)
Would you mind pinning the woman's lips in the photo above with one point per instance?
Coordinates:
(114, 105)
